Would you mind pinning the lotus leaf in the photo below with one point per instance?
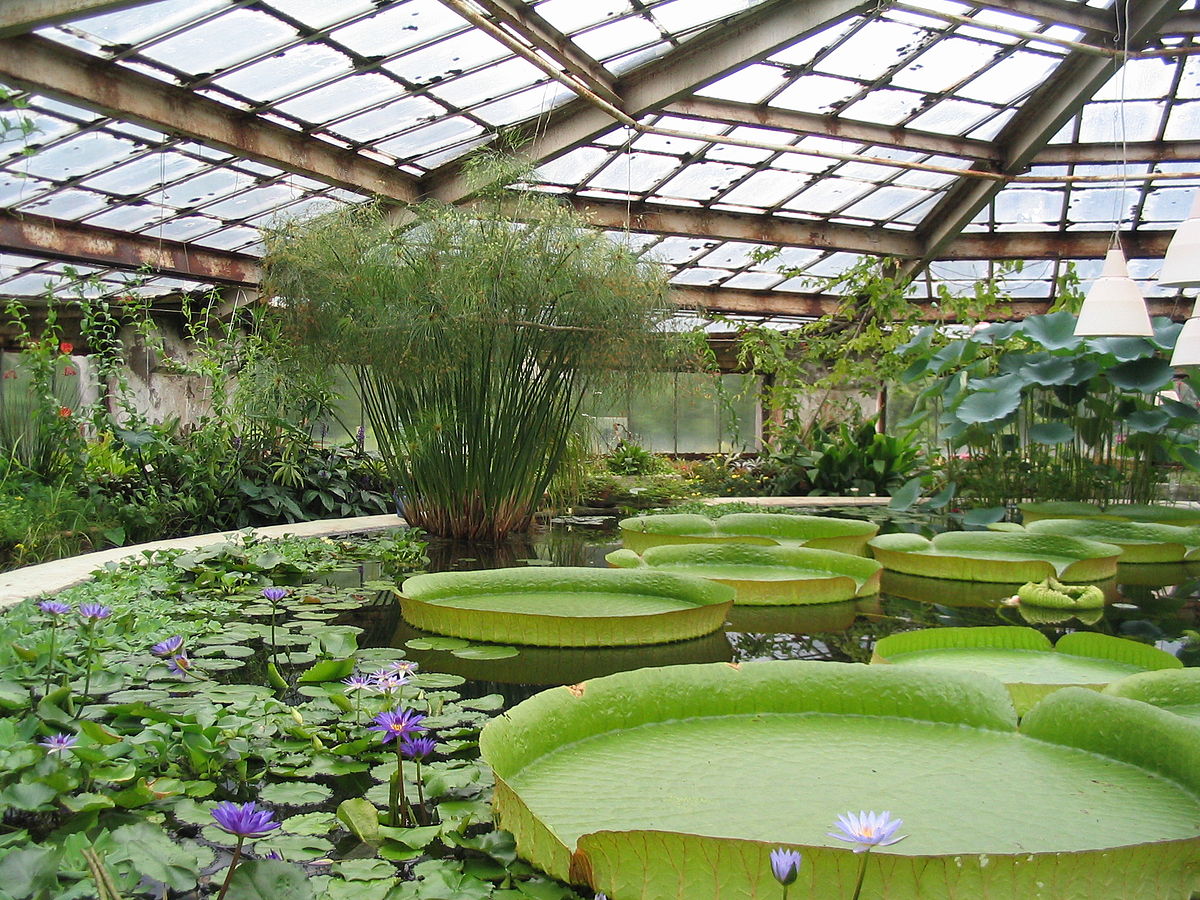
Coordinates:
(634, 785)
(1023, 658)
(1175, 690)
(763, 529)
(1121, 512)
(565, 607)
(996, 556)
(765, 576)
(1140, 542)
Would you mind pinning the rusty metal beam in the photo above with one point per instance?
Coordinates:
(1077, 15)
(48, 238)
(721, 49)
(727, 226)
(46, 67)
(539, 33)
(1138, 152)
(1072, 84)
(20, 16)
(735, 113)
(780, 303)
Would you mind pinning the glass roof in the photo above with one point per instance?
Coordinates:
(744, 125)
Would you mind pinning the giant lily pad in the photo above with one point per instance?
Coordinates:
(565, 607)
(811, 618)
(1140, 542)
(1023, 658)
(996, 556)
(764, 576)
(1175, 690)
(764, 529)
(1121, 512)
(634, 785)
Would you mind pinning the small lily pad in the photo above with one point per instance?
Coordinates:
(288, 793)
(436, 643)
(488, 652)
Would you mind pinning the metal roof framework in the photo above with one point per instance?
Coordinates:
(947, 134)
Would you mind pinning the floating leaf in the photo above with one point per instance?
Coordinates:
(295, 794)
(328, 670)
(268, 879)
(490, 652)
(436, 643)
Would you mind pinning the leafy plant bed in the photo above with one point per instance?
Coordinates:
(996, 556)
(1119, 512)
(1024, 659)
(565, 606)
(1175, 690)
(627, 784)
(1140, 542)
(140, 705)
(764, 576)
(764, 529)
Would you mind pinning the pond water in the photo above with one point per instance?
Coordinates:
(1153, 604)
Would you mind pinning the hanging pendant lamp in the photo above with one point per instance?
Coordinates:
(1114, 306)
(1181, 269)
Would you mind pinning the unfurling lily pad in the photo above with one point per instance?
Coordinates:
(611, 783)
(764, 529)
(997, 556)
(1053, 594)
(1175, 690)
(565, 607)
(1023, 658)
(764, 576)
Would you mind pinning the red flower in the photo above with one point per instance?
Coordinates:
(65, 348)
(64, 412)
(70, 370)
(11, 373)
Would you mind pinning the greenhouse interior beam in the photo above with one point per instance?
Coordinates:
(20, 16)
(721, 49)
(782, 303)
(539, 33)
(1138, 152)
(57, 239)
(1076, 15)
(727, 226)
(45, 67)
(1061, 96)
(735, 113)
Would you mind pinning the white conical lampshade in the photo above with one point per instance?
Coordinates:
(1114, 305)
(1187, 346)
(1181, 265)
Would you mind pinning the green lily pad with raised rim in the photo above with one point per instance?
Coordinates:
(565, 606)
(764, 529)
(764, 576)
(999, 556)
(631, 784)
(1140, 542)
(1024, 659)
(1175, 690)
(1126, 512)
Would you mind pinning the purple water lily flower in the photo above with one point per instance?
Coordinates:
(416, 747)
(402, 667)
(359, 683)
(274, 594)
(244, 820)
(386, 682)
(867, 829)
(54, 607)
(398, 724)
(94, 611)
(785, 865)
(58, 743)
(169, 647)
(179, 664)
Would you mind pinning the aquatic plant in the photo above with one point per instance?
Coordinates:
(471, 336)
(866, 830)
(397, 725)
(55, 610)
(242, 821)
(785, 866)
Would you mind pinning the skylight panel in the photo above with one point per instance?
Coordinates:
(1140, 79)
(238, 238)
(322, 13)
(67, 203)
(1183, 123)
(387, 120)
(817, 94)
(144, 173)
(341, 97)
(1167, 204)
(14, 189)
(750, 84)
(78, 156)
(425, 140)
(886, 203)
(679, 250)
(202, 188)
(132, 217)
(286, 73)
(943, 65)
(520, 106)
(398, 27)
(447, 58)
(753, 281)
(873, 50)
(1010, 78)
(252, 202)
(700, 277)
(1028, 206)
(634, 172)
(805, 51)
(703, 181)
(572, 167)
(488, 83)
(884, 106)
(1102, 122)
(186, 228)
(732, 255)
(637, 58)
(571, 15)
(951, 116)
(231, 38)
(132, 26)
(828, 195)
(765, 189)
(617, 38)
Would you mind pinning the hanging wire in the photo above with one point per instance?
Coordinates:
(1120, 68)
